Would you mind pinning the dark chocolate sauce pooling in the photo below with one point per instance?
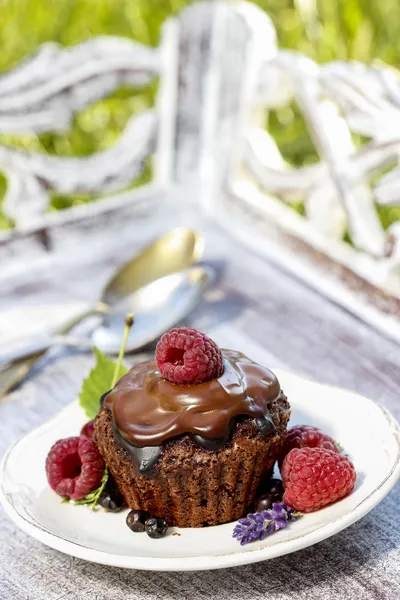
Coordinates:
(148, 410)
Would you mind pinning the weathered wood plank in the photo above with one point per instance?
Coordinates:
(44, 92)
(273, 231)
(33, 176)
(222, 46)
(105, 216)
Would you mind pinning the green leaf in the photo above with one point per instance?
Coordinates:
(98, 382)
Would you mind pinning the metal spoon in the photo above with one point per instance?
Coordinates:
(177, 250)
(158, 306)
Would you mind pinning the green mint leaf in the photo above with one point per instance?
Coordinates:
(98, 382)
(87, 499)
(100, 489)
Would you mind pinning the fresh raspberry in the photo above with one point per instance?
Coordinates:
(315, 477)
(74, 467)
(87, 430)
(186, 355)
(302, 436)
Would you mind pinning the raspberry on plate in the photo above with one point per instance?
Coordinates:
(315, 477)
(74, 467)
(186, 356)
(301, 436)
(87, 430)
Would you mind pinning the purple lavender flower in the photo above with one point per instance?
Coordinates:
(256, 526)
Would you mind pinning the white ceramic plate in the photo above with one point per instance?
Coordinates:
(370, 435)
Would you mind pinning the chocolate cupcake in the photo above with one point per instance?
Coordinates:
(193, 454)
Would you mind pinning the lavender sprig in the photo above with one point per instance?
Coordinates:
(256, 526)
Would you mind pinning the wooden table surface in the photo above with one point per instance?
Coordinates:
(251, 300)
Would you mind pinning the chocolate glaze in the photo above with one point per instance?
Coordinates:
(149, 410)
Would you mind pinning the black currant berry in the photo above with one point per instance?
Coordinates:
(156, 527)
(270, 491)
(111, 500)
(136, 520)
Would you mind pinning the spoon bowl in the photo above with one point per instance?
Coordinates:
(177, 250)
(158, 306)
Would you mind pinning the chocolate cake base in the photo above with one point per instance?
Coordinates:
(191, 486)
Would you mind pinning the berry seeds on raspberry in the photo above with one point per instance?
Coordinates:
(315, 477)
(74, 467)
(187, 356)
(306, 436)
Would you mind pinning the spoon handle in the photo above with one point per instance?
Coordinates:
(29, 349)
(99, 308)
(38, 345)
(16, 363)
(14, 373)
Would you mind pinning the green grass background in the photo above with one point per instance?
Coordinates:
(366, 30)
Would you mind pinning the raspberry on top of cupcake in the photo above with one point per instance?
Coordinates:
(186, 355)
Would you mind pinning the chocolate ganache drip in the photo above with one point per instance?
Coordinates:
(148, 410)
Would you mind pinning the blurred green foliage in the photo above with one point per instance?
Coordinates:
(323, 29)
